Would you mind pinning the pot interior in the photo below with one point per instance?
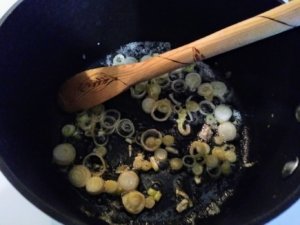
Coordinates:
(43, 44)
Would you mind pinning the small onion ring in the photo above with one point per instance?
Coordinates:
(164, 106)
(95, 173)
(178, 86)
(150, 133)
(208, 103)
(108, 124)
(193, 80)
(136, 95)
(125, 128)
(188, 157)
(97, 143)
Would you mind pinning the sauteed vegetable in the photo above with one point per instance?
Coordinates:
(193, 105)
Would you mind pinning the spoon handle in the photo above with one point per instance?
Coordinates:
(267, 24)
(95, 86)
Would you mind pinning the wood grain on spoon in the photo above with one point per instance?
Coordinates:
(98, 85)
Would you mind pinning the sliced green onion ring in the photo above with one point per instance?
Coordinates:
(148, 104)
(137, 95)
(219, 88)
(139, 90)
(100, 140)
(125, 128)
(153, 90)
(205, 90)
(84, 121)
(211, 121)
(163, 106)
(163, 81)
(206, 107)
(171, 96)
(188, 161)
(192, 106)
(108, 124)
(68, 130)
(176, 74)
(178, 86)
(154, 143)
(113, 113)
(199, 147)
(95, 163)
(197, 169)
(193, 80)
(161, 155)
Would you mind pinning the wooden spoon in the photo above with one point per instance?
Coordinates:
(98, 85)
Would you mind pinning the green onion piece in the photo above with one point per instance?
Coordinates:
(163, 106)
(68, 130)
(125, 128)
(219, 88)
(151, 139)
(176, 164)
(211, 161)
(188, 161)
(153, 90)
(148, 104)
(193, 80)
(95, 163)
(197, 169)
(161, 155)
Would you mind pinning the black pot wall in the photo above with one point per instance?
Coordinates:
(42, 44)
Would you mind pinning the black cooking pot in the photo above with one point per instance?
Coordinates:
(43, 43)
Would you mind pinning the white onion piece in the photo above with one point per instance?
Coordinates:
(161, 155)
(128, 181)
(222, 113)
(94, 185)
(193, 80)
(134, 202)
(119, 59)
(64, 154)
(79, 175)
(129, 60)
(219, 88)
(148, 104)
(227, 130)
(205, 90)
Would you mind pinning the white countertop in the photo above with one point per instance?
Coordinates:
(16, 210)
